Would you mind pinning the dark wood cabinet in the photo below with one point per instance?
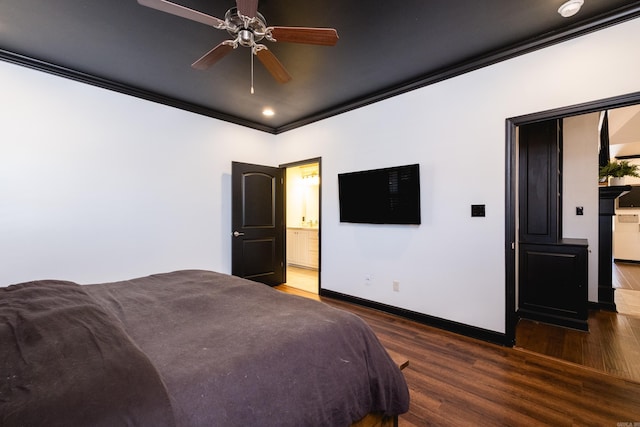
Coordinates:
(540, 182)
(553, 272)
(554, 283)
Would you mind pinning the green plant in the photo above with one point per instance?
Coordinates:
(619, 169)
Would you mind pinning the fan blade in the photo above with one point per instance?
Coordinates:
(213, 56)
(272, 64)
(320, 36)
(247, 8)
(184, 12)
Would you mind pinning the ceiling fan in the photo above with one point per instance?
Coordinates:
(247, 27)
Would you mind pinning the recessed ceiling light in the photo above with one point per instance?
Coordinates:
(268, 112)
(570, 8)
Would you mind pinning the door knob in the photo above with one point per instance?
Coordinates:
(237, 234)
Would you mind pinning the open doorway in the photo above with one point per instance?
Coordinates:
(511, 250)
(302, 193)
(606, 347)
(624, 129)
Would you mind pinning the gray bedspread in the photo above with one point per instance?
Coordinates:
(231, 352)
(65, 362)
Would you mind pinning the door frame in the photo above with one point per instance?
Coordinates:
(284, 166)
(511, 185)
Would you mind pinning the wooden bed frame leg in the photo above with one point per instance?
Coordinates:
(377, 420)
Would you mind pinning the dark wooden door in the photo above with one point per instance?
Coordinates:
(257, 221)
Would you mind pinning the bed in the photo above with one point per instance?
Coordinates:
(187, 348)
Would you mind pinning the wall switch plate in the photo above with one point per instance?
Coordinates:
(396, 286)
(477, 210)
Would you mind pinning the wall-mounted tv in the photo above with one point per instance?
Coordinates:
(630, 199)
(380, 196)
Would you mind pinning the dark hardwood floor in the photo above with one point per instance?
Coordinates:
(612, 344)
(456, 380)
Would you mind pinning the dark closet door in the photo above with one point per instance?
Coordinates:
(257, 222)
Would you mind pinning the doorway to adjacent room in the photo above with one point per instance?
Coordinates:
(302, 193)
(611, 345)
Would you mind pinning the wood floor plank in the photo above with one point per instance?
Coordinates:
(635, 325)
(573, 346)
(592, 355)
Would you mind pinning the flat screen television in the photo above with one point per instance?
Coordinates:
(380, 196)
(630, 199)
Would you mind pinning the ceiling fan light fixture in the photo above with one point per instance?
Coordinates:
(245, 38)
(570, 8)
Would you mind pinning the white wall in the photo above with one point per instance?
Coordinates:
(451, 266)
(580, 187)
(98, 186)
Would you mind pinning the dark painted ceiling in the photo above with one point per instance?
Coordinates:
(385, 48)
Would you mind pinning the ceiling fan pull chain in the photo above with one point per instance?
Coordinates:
(251, 51)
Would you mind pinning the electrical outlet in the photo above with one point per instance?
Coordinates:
(367, 280)
(396, 286)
